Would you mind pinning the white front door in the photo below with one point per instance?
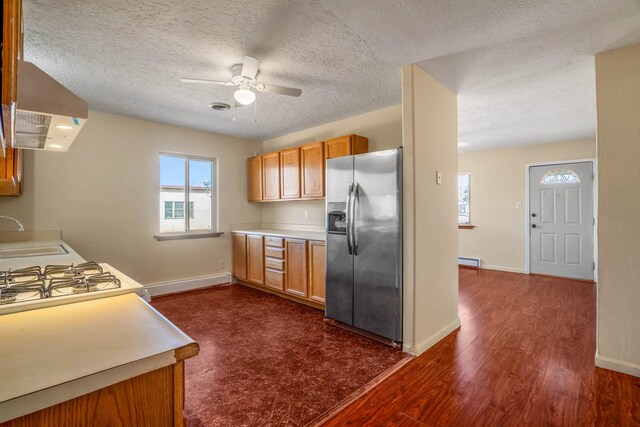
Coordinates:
(561, 220)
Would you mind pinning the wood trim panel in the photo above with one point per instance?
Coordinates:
(152, 399)
(255, 259)
(12, 45)
(296, 267)
(290, 173)
(186, 352)
(312, 166)
(271, 252)
(239, 251)
(278, 242)
(178, 394)
(254, 178)
(271, 176)
(337, 147)
(317, 271)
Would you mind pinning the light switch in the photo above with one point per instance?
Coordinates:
(438, 177)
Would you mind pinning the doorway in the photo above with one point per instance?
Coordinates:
(561, 220)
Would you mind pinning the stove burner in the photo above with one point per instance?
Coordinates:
(32, 283)
(25, 291)
(85, 269)
(60, 286)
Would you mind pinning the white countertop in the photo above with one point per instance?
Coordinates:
(51, 355)
(293, 234)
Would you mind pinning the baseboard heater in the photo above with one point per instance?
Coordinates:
(469, 262)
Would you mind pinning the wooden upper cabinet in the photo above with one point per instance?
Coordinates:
(271, 176)
(254, 178)
(290, 173)
(345, 146)
(12, 37)
(296, 267)
(312, 164)
(239, 250)
(317, 263)
(255, 259)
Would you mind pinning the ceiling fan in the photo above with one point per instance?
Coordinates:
(244, 76)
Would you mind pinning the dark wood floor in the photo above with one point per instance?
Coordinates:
(524, 356)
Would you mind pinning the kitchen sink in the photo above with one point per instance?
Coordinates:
(28, 251)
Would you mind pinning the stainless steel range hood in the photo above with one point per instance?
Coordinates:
(49, 116)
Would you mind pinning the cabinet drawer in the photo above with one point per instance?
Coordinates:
(274, 252)
(274, 279)
(274, 241)
(275, 264)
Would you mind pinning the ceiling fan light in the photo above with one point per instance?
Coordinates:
(244, 96)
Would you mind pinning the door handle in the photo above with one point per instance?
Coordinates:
(355, 203)
(533, 215)
(349, 219)
(533, 226)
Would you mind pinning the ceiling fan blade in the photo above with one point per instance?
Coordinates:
(282, 90)
(250, 67)
(208, 82)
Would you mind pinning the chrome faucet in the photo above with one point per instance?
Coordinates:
(20, 226)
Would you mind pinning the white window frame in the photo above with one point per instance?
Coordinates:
(457, 213)
(188, 233)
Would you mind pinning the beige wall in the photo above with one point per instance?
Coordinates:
(383, 128)
(103, 194)
(497, 185)
(430, 224)
(618, 103)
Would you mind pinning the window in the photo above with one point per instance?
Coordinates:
(464, 190)
(560, 176)
(187, 181)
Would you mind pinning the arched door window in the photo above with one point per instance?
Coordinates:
(560, 176)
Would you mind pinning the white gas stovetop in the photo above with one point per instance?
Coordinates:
(36, 287)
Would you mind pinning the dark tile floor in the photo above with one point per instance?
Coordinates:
(267, 361)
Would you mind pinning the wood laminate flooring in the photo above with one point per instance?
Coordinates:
(524, 356)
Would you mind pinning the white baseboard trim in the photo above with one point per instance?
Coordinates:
(618, 365)
(188, 284)
(501, 268)
(433, 339)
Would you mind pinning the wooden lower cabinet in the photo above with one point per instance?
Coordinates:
(239, 250)
(296, 267)
(317, 262)
(255, 259)
(152, 399)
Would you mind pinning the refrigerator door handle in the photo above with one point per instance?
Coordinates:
(354, 228)
(349, 219)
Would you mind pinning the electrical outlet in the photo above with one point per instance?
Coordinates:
(518, 205)
(306, 214)
(221, 263)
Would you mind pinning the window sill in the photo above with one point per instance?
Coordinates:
(466, 227)
(183, 236)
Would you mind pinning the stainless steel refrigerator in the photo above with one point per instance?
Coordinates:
(364, 242)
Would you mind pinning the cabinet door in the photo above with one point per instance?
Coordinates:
(239, 249)
(271, 176)
(316, 271)
(290, 173)
(254, 178)
(12, 38)
(337, 147)
(312, 162)
(296, 267)
(255, 259)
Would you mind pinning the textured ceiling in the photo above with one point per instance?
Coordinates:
(523, 69)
